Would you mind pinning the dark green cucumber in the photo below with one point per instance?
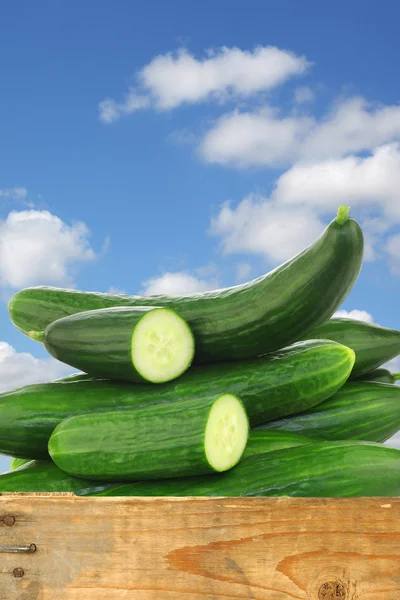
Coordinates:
(380, 376)
(289, 381)
(373, 345)
(44, 476)
(359, 410)
(240, 322)
(130, 344)
(173, 439)
(322, 469)
(18, 462)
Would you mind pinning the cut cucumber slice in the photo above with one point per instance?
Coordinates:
(162, 345)
(175, 439)
(129, 344)
(226, 433)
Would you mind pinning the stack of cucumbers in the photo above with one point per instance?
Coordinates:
(253, 390)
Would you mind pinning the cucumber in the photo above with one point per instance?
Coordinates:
(190, 437)
(380, 376)
(289, 381)
(359, 410)
(323, 469)
(18, 462)
(373, 345)
(235, 323)
(131, 344)
(45, 476)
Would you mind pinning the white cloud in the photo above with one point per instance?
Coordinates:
(243, 271)
(37, 248)
(173, 79)
(264, 138)
(392, 247)
(176, 284)
(370, 181)
(303, 94)
(245, 139)
(15, 193)
(359, 315)
(260, 226)
(353, 126)
(110, 110)
(21, 368)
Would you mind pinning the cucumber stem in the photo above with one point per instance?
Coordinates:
(396, 376)
(38, 336)
(342, 214)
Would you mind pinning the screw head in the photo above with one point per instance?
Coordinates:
(9, 520)
(18, 572)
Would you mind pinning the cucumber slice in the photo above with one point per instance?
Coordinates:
(188, 437)
(226, 433)
(162, 345)
(139, 344)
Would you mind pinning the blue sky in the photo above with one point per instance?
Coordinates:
(161, 146)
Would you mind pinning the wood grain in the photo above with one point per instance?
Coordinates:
(200, 548)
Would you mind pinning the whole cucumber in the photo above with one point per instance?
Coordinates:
(373, 345)
(235, 323)
(359, 410)
(323, 469)
(285, 382)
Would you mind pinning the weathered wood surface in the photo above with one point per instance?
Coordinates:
(200, 549)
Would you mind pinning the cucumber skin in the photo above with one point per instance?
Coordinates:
(323, 469)
(151, 442)
(378, 375)
(360, 410)
(261, 441)
(289, 381)
(99, 342)
(373, 345)
(235, 323)
(44, 476)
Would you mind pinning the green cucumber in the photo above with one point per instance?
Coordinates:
(289, 381)
(235, 323)
(45, 476)
(130, 344)
(359, 410)
(18, 462)
(323, 469)
(380, 376)
(190, 437)
(373, 345)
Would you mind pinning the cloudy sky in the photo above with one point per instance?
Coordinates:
(175, 147)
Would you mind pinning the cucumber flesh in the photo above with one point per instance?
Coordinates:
(162, 346)
(226, 433)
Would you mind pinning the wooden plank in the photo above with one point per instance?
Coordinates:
(200, 549)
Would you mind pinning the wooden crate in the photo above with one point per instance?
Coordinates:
(199, 548)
